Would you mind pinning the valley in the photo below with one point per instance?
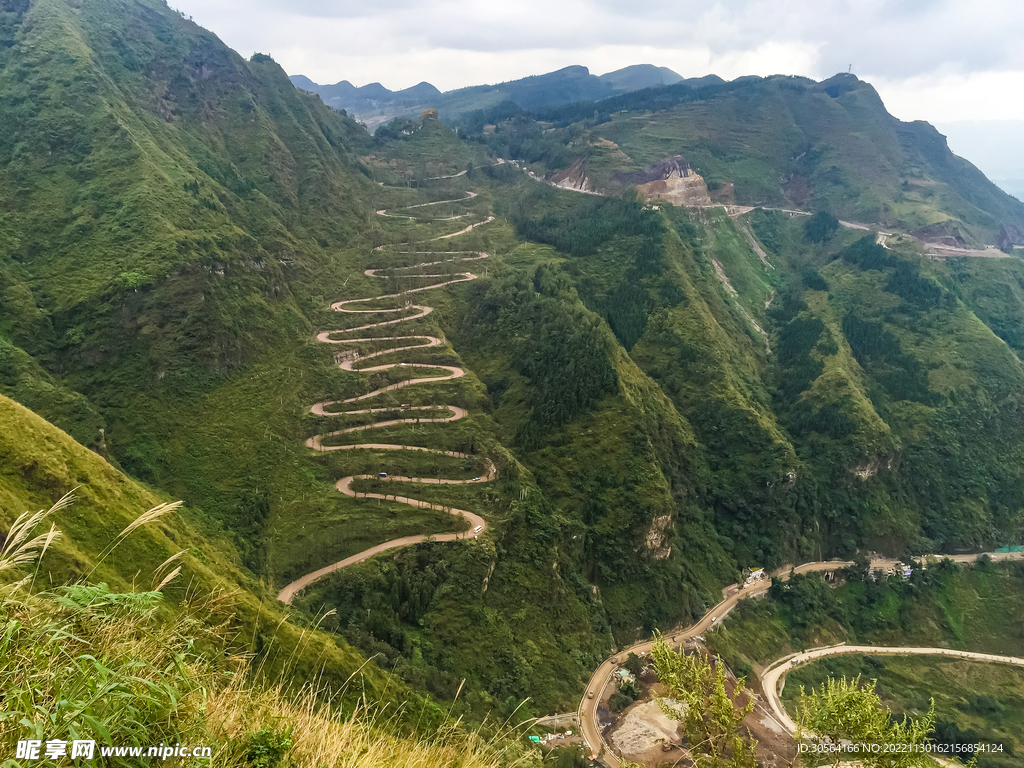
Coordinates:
(458, 407)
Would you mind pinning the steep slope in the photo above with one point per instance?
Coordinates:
(161, 191)
(39, 463)
(826, 385)
(782, 141)
(169, 211)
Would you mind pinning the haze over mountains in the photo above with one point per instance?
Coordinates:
(995, 146)
(374, 104)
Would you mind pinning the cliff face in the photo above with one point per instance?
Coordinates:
(575, 177)
(674, 181)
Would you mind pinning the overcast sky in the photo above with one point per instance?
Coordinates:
(936, 60)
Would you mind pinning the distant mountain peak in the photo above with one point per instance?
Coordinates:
(639, 76)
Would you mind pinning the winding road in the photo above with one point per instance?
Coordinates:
(777, 670)
(433, 413)
(587, 711)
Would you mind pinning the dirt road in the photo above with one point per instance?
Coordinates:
(477, 525)
(587, 711)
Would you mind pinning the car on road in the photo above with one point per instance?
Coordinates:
(476, 478)
(478, 529)
(590, 694)
(382, 474)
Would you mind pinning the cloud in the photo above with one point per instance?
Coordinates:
(951, 98)
(901, 44)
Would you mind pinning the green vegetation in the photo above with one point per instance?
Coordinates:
(847, 711)
(974, 702)
(82, 662)
(667, 395)
(780, 141)
(942, 605)
(711, 714)
(821, 226)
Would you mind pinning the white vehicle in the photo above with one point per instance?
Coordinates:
(478, 529)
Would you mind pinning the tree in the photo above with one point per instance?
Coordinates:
(711, 718)
(821, 226)
(848, 710)
(634, 664)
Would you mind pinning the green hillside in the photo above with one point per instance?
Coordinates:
(781, 141)
(113, 644)
(638, 401)
(39, 464)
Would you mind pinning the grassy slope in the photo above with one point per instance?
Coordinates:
(125, 668)
(789, 142)
(41, 463)
(190, 318)
(980, 698)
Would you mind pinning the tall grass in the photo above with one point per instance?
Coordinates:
(82, 662)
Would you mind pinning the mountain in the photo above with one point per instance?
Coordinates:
(374, 104)
(230, 293)
(177, 223)
(638, 76)
(781, 142)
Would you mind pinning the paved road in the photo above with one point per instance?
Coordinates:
(477, 524)
(587, 710)
(735, 211)
(777, 671)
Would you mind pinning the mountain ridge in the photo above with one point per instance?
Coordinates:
(375, 104)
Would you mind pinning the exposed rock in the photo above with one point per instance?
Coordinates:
(947, 233)
(867, 469)
(657, 536)
(646, 726)
(1009, 236)
(671, 180)
(573, 178)
(723, 278)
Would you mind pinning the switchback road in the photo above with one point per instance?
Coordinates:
(434, 413)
